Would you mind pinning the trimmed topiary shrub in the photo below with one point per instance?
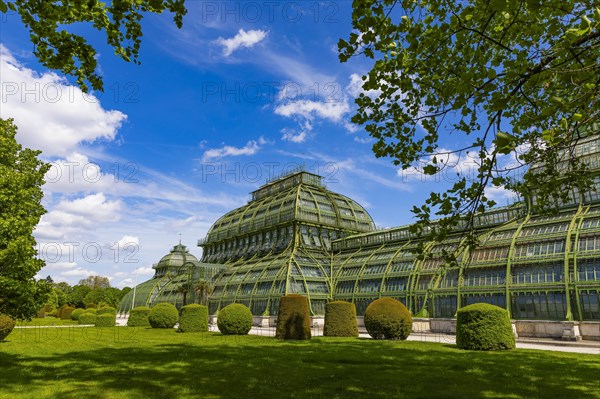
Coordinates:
(59, 311)
(163, 315)
(87, 318)
(293, 320)
(92, 311)
(48, 308)
(193, 318)
(106, 320)
(76, 313)
(388, 318)
(484, 327)
(7, 324)
(340, 320)
(138, 317)
(234, 319)
(106, 310)
(41, 313)
(66, 313)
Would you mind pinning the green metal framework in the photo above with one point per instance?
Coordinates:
(280, 243)
(295, 236)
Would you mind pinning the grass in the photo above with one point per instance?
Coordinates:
(47, 321)
(122, 362)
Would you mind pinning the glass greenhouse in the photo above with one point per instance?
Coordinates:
(296, 236)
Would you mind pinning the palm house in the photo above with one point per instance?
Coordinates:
(297, 236)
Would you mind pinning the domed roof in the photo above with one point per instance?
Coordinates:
(299, 196)
(177, 257)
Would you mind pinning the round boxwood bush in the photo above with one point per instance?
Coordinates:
(66, 313)
(138, 317)
(87, 318)
(106, 310)
(76, 313)
(234, 319)
(7, 324)
(340, 320)
(293, 319)
(388, 318)
(163, 315)
(193, 318)
(106, 320)
(485, 327)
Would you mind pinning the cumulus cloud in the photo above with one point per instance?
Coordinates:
(52, 115)
(355, 87)
(70, 217)
(79, 272)
(251, 148)
(242, 39)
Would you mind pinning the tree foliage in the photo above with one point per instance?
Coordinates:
(21, 178)
(77, 295)
(95, 282)
(51, 25)
(501, 79)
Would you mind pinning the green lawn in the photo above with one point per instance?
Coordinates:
(128, 363)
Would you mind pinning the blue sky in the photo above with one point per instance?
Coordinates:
(245, 91)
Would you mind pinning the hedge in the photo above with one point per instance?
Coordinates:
(106, 310)
(340, 320)
(293, 320)
(87, 318)
(76, 313)
(193, 318)
(106, 320)
(163, 315)
(7, 324)
(138, 317)
(388, 318)
(66, 313)
(234, 319)
(482, 326)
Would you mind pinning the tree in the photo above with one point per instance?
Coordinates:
(95, 282)
(57, 48)
(203, 289)
(505, 79)
(77, 295)
(21, 178)
(183, 290)
(95, 296)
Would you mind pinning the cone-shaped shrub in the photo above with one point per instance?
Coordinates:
(293, 320)
(138, 317)
(193, 318)
(485, 327)
(41, 313)
(388, 318)
(87, 318)
(7, 324)
(66, 313)
(340, 320)
(234, 319)
(59, 311)
(163, 315)
(106, 320)
(76, 313)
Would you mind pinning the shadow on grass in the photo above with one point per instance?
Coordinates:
(211, 366)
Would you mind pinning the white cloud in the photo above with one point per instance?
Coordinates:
(355, 87)
(250, 148)
(52, 115)
(294, 136)
(79, 272)
(140, 271)
(68, 218)
(243, 39)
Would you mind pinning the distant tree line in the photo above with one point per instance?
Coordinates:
(91, 290)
